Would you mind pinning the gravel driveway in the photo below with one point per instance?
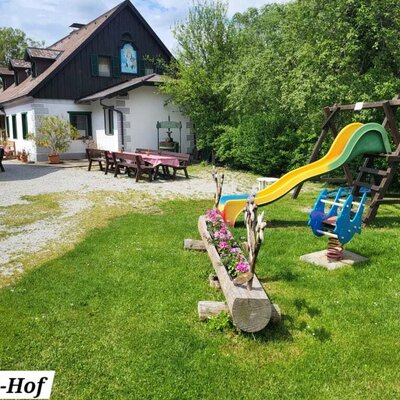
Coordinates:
(31, 180)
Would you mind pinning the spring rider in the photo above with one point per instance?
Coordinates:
(339, 223)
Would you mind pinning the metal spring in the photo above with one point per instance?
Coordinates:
(335, 250)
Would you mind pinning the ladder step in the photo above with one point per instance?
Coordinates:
(389, 156)
(374, 188)
(374, 171)
(386, 201)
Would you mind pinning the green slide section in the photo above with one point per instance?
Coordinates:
(353, 140)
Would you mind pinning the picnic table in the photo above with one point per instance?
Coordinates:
(156, 159)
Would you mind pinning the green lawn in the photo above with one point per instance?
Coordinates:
(116, 317)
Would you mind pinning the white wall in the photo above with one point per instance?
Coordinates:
(45, 107)
(17, 108)
(147, 105)
(102, 140)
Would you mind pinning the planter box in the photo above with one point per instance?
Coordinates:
(251, 310)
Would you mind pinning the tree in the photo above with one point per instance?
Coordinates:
(197, 75)
(13, 43)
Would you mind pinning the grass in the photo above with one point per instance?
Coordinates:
(116, 316)
(34, 209)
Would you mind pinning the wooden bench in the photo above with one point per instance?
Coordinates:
(147, 151)
(96, 156)
(1, 159)
(124, 160)
(183, 161)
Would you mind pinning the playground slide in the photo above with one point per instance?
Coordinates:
(353, 140)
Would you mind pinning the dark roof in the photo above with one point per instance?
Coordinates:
(16, 63)
(124, 87)
(6, 71)
(68, 46)
(48, 54)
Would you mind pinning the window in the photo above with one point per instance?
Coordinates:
(8, 126)
(33, 69)
(109, 121)
(24, 125)
(82, 121)
(14, 126)
(104, 66)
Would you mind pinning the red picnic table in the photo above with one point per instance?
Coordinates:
(156, 160)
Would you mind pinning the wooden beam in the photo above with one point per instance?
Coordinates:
(191, 244)
(391, 122)
(251, 310)
(366, 106)
(207, 309)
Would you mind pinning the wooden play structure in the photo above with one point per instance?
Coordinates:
(370, 176)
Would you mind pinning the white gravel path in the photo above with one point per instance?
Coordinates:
(27, 179)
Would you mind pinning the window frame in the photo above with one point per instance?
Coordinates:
(8, 126)
(14, 124)
(24, 122)
(88, 114)
(109, 59)
(109, 121)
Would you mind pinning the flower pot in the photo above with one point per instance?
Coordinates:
(54, 158)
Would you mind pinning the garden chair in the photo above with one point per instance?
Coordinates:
(96, 156)
(144, 168)
(108, 157)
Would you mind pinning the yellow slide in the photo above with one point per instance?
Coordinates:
(352, 140)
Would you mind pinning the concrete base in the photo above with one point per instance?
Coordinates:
(319, 258)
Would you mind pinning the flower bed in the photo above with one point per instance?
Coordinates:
(225, 244)
(251, 309)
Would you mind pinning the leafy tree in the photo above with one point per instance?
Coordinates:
(13, 43)
(198, 74)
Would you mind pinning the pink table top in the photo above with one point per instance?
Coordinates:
(155, 159)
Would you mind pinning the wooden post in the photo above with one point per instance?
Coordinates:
(255, 226)
(219, 182)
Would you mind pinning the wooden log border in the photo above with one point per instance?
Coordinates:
(251, 310)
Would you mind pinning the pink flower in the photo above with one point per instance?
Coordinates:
(235, 250)
(242, 267)
(223, 245)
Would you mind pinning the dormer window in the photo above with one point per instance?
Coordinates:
(104, 66)
(33, 69)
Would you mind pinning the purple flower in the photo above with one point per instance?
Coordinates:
(235, 250)
(242, 267)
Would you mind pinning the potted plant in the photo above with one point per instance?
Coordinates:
(24, 156)
(55, 134)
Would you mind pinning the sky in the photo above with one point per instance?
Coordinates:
(49, 20)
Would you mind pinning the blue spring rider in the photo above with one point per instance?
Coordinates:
(340, 222)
